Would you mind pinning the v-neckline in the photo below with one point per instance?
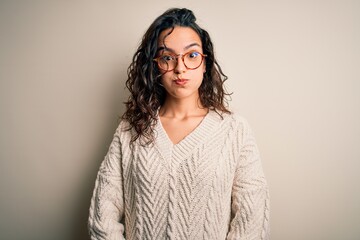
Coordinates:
(167, 135)
(190, 141)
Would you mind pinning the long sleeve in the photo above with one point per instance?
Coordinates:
(107, 204)
(250, 196)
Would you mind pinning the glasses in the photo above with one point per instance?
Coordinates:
(168, 62)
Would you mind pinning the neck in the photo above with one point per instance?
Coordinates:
(181, 108)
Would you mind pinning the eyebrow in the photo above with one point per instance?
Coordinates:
(172, 50)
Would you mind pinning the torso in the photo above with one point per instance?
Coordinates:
(185, 187)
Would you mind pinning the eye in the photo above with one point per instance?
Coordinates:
(166, 58)
(194, 54)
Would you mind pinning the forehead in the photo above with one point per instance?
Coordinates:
(179, 37)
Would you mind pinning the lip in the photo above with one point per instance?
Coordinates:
(181, 81)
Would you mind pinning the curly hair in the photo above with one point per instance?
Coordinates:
(146, 92)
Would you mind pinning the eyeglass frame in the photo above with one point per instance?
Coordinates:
(182, 58)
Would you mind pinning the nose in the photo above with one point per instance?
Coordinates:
(180, 66)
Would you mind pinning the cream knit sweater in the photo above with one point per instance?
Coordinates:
(209, 186)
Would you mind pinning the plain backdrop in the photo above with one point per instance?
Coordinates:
(293, 68)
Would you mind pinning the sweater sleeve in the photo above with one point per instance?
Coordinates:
(107, 204)
(250, 196)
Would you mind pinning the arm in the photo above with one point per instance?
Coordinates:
(250, 197)
(107, 204)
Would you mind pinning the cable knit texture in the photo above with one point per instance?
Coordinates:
(208, 186)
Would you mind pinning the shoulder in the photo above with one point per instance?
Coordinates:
(234, 119)
(123, 126)
(123, 131)
(237, 125)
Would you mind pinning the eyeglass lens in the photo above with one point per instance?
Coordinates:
(192, 60)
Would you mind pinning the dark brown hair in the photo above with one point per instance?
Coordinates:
(146, 92)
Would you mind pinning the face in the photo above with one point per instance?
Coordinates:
(181, 82)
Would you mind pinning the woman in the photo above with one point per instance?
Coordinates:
(181, 165)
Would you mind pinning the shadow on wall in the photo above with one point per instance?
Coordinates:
(79, 228)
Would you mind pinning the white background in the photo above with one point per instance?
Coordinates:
(293, 67)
